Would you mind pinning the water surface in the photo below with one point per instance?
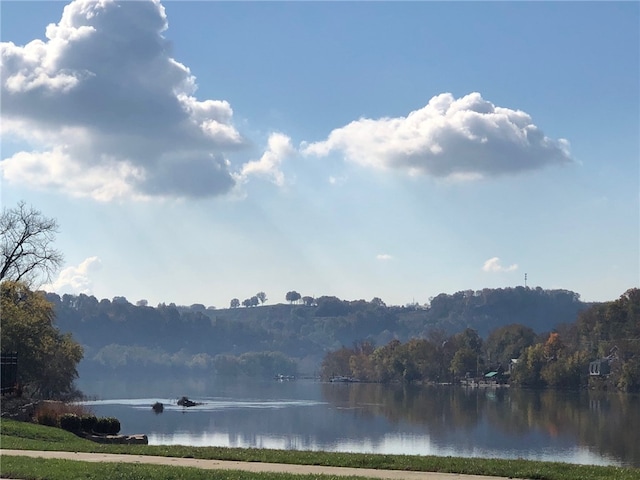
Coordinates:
(586, 428)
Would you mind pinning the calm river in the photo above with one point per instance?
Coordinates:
(587, 427)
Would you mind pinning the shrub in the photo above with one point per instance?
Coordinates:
(115, 426)
(88, 423)
(107, 425)
(102, 425)
(70, 422)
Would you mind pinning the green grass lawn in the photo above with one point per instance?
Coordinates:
(19, 435)
(53, 469)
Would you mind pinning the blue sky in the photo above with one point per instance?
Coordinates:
(193, 152)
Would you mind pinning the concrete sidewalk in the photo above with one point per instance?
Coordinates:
(246, 466)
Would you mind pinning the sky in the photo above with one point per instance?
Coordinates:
(196, 152)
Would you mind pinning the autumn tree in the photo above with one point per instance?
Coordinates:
(612, 330)
(551, 364)
(361, 366)
(527, 371)
(337, 363)
(26, 245)
(387, 364)
(569, 371)
(553, 347)
(47, 359)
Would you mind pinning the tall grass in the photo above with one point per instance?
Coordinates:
(49, 412)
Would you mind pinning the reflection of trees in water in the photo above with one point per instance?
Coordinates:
(438, 408)
(606, 423)
(610, 423)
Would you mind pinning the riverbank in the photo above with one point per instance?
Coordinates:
(25, 436)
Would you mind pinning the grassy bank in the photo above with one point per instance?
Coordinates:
(53, 469)
(18, 435)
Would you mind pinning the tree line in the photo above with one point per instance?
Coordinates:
(255, 300)
(607, 333)
(260, 298)
(117, 334)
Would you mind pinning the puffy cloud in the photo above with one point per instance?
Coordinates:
(384, 257)
(459, 139)
(279, 147)
(110, 112)
(75, 280)
(493, 265)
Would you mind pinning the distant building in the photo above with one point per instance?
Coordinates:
(600, 367)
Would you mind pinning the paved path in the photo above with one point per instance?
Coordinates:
(248, 466)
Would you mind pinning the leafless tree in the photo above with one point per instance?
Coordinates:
(27, 253)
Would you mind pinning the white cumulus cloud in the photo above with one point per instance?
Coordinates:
(459, 139)
(75, 279)
(279, 147)
(493, 265)
(383, 257)
(108, 112)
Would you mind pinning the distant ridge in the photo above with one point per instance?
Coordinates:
(119, 335)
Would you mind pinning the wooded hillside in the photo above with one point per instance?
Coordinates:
(600, 350)
(119, 335)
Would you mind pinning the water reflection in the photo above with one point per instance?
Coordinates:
(596, 423)
(587, 427)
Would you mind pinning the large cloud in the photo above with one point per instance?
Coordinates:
(460, 138)
(110, 112)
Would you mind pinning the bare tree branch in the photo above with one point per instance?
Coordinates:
(26, 253)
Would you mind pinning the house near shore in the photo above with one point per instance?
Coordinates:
(600, 367)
